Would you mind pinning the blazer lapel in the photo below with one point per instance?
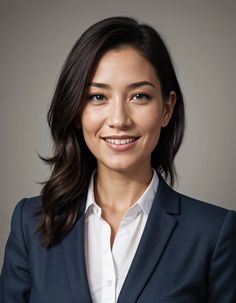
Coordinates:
(73, 251)
(157, 233)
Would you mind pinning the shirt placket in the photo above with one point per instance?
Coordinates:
(108, 269)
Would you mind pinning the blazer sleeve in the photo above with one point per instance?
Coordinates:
(15, 279)
(222, 272)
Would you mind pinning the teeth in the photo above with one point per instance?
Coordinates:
(119, 142)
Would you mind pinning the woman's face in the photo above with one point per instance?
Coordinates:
(124, 111)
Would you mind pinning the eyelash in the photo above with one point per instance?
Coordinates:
(93, 96)
(144, 96)
(99, 98)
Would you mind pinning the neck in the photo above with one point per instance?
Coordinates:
(120, 190)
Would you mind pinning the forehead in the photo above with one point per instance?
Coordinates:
(123, 64)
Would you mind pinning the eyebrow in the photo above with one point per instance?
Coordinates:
(132, 85)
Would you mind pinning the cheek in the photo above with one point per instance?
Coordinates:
(90, 121)
(152, 126)
(151, 120)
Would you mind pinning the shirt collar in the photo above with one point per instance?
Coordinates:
(144, 202)
(90, 197)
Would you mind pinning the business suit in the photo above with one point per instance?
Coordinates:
(187, 254)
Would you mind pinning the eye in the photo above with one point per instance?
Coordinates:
(141, 97)
(97, 98)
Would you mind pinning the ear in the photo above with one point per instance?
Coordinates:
(168, 108)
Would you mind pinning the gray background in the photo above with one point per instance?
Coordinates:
(36, 36)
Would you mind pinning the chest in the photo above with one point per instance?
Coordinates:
(107, 265)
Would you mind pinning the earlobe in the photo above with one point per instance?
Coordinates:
(168, 108)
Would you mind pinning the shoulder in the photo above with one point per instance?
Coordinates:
(25, 217)
(187, 207)
(195, 216)
(198, 208)
(29, 203)
(27, 208)
(206, 219)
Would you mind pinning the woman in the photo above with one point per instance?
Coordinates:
(107, 227)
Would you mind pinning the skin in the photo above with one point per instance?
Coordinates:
(123, 102)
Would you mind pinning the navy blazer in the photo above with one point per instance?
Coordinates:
(187, 253)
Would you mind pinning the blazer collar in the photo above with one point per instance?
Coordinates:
(157, 233)
(167, 198)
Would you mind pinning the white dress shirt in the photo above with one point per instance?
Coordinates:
(106, 267)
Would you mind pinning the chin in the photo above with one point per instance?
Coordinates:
(122, 166)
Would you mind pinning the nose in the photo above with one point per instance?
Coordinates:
(119, 116)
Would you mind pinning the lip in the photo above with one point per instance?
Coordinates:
(119, 137)
(120, 147)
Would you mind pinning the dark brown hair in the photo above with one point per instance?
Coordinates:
(72, 163)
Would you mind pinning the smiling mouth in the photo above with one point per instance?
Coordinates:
(122, 141)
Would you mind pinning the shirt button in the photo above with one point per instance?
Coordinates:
(109, 283)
